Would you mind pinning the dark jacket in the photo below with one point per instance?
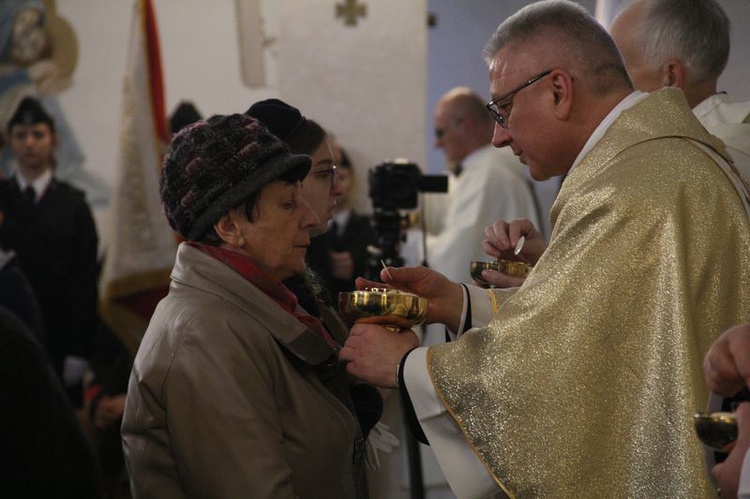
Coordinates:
(56, 245)
(43, 452)
(17, 296)
(355, 238)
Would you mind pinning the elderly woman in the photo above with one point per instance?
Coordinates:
(236, 391)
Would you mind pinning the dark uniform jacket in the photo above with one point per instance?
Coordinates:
(56, 245)
(356, 236)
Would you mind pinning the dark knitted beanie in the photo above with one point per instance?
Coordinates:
(214, 165)
(281, 118)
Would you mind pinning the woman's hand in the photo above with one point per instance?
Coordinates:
(109, 410)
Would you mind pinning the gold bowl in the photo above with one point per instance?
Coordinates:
(383, 306)
(717, 430)
(507, 267)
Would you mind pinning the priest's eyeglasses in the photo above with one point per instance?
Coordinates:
(501, 112)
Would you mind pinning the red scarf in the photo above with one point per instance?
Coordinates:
(247, 268)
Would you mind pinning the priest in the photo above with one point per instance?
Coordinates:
(583, 381)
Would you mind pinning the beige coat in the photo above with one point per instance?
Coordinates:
(224, 399)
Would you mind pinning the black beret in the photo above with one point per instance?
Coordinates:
(281, 118)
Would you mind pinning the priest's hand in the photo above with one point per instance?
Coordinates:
(498, 280)
(445, 297)
(726, 475)
(727, 364)
(502, 238)
(373, 353)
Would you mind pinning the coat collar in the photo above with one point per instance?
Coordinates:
(198, 269)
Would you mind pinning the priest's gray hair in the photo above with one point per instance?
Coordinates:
(581, 44)
(696, 32)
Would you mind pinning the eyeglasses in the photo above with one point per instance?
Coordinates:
(501, 113)
(328, 172)
(440, 132)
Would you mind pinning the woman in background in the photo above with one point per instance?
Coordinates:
(341, 254)
(320, 189)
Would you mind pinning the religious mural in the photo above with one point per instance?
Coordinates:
(38, 55)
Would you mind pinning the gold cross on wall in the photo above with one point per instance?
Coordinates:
(350, 10)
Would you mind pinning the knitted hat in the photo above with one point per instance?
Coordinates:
(281, 118)
(214, 165)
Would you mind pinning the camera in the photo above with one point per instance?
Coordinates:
(394, 185)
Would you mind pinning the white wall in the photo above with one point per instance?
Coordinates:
(364, 83)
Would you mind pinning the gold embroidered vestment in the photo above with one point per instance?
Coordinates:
(585, 383)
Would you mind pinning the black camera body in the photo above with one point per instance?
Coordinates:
(394, 185)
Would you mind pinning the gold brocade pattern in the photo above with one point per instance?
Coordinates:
(586, 382)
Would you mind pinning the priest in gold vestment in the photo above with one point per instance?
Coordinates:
(586, 379)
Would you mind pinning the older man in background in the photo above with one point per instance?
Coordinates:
(685, 44)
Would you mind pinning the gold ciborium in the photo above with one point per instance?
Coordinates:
(388, 307)
(717, 430)
(507, 267)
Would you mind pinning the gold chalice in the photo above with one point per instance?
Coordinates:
(507, 267)
(388, 307)
(717, 430)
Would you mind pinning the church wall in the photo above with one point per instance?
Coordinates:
(365, 83)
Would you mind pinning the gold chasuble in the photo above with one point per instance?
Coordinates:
(586, 381)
